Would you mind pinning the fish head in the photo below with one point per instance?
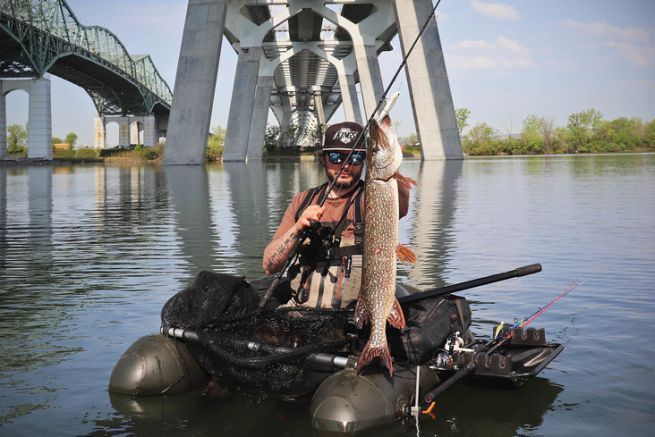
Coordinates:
(384, 152)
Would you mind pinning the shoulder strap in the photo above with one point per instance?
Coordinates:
(359, 219)
(311, 194)
(354, 197)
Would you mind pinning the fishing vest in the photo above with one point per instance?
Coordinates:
(333, 282)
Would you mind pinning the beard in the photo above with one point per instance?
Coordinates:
(344, 184)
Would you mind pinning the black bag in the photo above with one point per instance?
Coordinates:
(429, 324)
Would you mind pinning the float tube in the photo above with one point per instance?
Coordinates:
(346, 401)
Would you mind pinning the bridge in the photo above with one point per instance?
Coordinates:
(39, 37)
(303, 59)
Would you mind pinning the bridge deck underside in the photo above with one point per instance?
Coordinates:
(298, 79)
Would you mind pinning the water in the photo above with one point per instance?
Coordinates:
(89, 254)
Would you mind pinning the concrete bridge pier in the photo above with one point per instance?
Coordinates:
(3, 125)
(150, 137)
(243, 104)
(99, 140)
(195, 82)
(39, 123)
(349, 98)
(147, 124)
(370, 78)
(318, 107)
(262, 102)
(432, 102)
(123, 131)
(282, 112)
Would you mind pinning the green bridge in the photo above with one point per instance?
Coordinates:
(39, 37)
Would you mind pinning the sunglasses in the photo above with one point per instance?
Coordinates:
(356, 158)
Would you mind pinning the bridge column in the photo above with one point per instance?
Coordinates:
(434, 112)
(39, 124)
(99, 139)
(133, 124)
(282, 112)
(370, 78)
(349, 98)
(259, 117)
(149, 131)
(242, 106)
(3, 124)
(195, 82)
(318, 107)
(123, 131)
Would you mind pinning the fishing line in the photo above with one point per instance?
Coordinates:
(379, 104)
(360, 136)
(502, 338)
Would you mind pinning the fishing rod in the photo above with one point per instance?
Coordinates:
(321, 201)
(498, 340)
(516, 273)
(377, 107)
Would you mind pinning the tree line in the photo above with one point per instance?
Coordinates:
(585, 132)
(17, 139)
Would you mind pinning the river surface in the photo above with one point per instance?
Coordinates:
(90, 253)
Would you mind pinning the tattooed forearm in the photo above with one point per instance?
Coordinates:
(282, 251)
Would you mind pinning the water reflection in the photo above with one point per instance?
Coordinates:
(243, 415)
(3, 217)
(189, 192)
(89, 254)
(248, 195)
(506, 412)
(432, 214)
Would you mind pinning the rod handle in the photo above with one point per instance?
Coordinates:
(528, 270)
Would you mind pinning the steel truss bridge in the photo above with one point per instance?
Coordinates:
(44, 36)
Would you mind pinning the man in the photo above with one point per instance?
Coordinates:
(329, 279)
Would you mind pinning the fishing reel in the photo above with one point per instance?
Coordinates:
(319, 245)
(449, 357)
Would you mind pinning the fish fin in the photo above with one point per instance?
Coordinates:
(375, 352)
(396, 317)
(361, 314)
(404, 181)
(405, 254)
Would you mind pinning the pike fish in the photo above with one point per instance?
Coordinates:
(376, 303)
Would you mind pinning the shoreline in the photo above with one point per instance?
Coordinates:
(283, 158)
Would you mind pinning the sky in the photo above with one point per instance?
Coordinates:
(506, 60)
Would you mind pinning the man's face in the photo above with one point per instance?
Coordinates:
(351, 172)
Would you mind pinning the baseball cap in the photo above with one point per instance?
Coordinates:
(341, 137)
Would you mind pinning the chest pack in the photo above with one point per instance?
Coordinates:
(342, 224)
(333, 278)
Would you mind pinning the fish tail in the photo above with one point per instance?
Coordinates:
(396, 317)
(381, 352)
(405, 254)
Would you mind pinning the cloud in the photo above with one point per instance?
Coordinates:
(488, 62)
(633, 44)
(641, 84)
(500, 11)
(637, 55)
(501, 54)
(607, 30)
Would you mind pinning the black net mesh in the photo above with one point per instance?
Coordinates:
(241, 344)
(269, 349)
